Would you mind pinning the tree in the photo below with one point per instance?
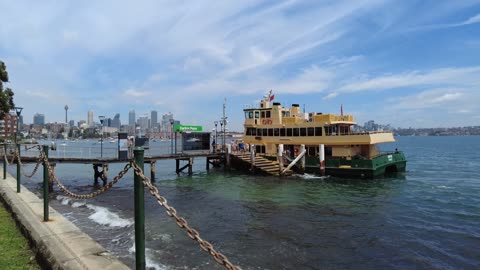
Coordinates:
(6, 95)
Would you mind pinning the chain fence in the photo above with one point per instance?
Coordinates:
(162, 201)
(73, 195)
(37, 165)
(182, 223)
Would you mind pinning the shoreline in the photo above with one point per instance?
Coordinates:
(58, 243)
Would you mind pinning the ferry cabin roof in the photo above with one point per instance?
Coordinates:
(273, 124)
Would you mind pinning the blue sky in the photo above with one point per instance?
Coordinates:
(407, 63)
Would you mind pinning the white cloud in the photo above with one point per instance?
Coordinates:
(446, 76)
(135, 93)
(331, 95)
(431, 98)
(471, 20)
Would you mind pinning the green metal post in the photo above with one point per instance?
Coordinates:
(19, 175)
(139, 212)
(46, 181)
(5, 161)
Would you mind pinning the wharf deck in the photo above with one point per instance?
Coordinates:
(147, 159)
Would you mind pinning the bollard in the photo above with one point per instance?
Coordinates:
(5, 161)
(139, 212)
(45, 185)
(18, 169)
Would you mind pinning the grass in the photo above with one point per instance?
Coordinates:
(15, 252)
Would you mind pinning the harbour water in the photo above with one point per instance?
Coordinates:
(425, 218)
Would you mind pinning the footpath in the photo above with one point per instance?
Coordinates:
(59, 243)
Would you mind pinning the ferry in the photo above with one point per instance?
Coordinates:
(317, 142)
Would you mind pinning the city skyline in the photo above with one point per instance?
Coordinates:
(404, 63)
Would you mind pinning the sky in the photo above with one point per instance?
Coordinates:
(404, 63)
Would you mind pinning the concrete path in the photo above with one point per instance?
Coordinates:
(61, 244)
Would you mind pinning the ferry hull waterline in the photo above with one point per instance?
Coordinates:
(317, 143)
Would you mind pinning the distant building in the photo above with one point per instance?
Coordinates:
(116, 121)
(131, 118)
(81, 122)
(39, 119)
(8, 126)
(90, 118)
(71, 123)
(153, 120)
(166, 126)
(143, 124)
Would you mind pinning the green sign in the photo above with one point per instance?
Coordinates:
(182, 128)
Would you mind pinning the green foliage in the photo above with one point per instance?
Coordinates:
(6, 95)
(16, 254)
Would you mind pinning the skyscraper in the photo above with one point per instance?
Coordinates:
(153, 120)
(131, 118)
(116, 121)
(90, 118)
(39, 119)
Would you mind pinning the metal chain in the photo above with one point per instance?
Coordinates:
(6, 159)
(13, 157)
(39, 161)
(85, 196)
(182, 223)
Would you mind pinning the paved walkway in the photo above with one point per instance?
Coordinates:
(60, 243)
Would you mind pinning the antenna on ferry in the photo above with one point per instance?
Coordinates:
(341, 109)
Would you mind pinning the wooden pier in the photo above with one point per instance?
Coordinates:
(100, 165)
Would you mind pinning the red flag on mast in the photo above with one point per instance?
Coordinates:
(271, 95)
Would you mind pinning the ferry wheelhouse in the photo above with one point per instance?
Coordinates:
(317, 142)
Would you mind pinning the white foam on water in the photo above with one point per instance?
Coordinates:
(78, 204)
(444, 187)
(103, 216)
(64, 200)
(312, 176)
(149, 262)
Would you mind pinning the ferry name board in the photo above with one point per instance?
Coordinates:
(182, 128)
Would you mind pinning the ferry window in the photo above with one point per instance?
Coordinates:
(264, 132)
(287, 114)
(248, 132)
(328, 130)
(310, 131)
(328, 151)
(303, 132)
(282, 132)
(318, 131)
(270, 132)
(295, 132)
(259, 132)
(257, 114)
(263, 115)
(268, 114)
(250, 115)
(289, 132)
(276, 132)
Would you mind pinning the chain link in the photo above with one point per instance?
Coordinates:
(182, 223)
(39, 161)
(84, 196)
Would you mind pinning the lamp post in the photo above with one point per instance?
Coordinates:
(171, 135)
(224, 121)
(18, 111)
(215, 139)
(101, 118)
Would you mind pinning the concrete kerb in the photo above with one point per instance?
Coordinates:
(58, 243)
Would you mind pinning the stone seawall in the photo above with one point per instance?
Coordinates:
(58, 243)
